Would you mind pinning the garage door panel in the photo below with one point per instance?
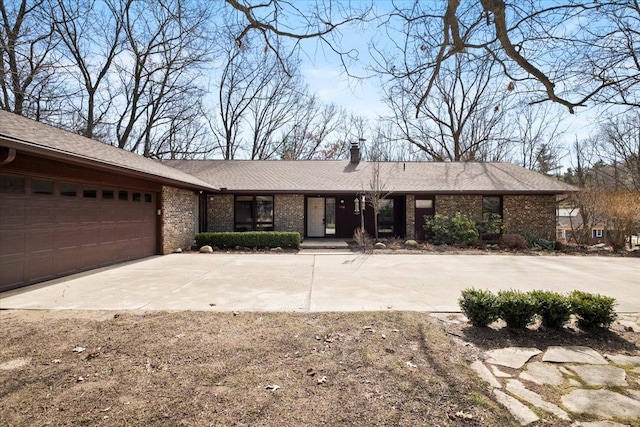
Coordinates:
(46, 236)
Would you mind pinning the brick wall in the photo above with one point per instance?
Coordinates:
(220, 212)
(289, 213)
(468, 205)
(179, 218)
(410, 229)
(532, 214)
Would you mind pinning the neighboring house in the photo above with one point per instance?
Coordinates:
(569, 222)
(69, 204)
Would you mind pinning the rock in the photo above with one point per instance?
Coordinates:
(484, 373)
(276, 250)
(517, 388)
(206, 249)
(178, 251)
(379, 245)
(600, 375)
(629, 325)
(573, 354)
(520, 412)
(511, 357)
(623, 359)
(411, 244)
(542, 373)
(603, 403)
(15, 363)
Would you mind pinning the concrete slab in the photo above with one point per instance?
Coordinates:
(603, 403)
(498, 373)
(511, 357)
(542, 373)
(596, 375)
(518, 389)
(484, 373)
(341, 282)
(573, 354)
(623, 359)
(523, 415)
(598, 424)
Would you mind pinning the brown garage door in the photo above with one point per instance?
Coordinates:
(53, 228)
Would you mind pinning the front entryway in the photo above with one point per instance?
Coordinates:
(315, 217)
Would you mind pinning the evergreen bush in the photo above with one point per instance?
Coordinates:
(480, 307)
(592, 310)
(554, 308)
(516, 308)
(250, 239)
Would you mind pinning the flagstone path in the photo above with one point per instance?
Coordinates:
(588, 389)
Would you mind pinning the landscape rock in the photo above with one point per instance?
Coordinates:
(276, 249)
(484, 373)
(601, 375)
(630, 325)
(517, 388)
(573, 354)
(523, 415)
(206, 249)
(380, 245)
(623, 359)
(542, 373)
(511, 357)
(603, 403)
(411, 244)
(178, 251)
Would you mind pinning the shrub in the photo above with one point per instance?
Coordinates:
(516, 308)
(459, 229)
(592, 310)
(553, 308)
(250, 239)
(480, 307)
(490, 230)
(537, 242)
(513, 241)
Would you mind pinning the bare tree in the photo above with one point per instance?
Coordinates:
(556, 50)
(462, 120)
(620, 147)
(92, 33)
(315, 131)
(28, 75)
(158, 72)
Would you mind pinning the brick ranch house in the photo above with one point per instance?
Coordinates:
(68, 203)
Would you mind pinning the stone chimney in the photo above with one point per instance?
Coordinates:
(355, 153)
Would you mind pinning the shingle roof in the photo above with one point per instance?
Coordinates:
(28, 135)
(342, 176)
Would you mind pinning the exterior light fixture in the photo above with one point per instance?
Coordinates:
(356, 203)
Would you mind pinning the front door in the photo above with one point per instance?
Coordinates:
(424, 207)
(315, 217)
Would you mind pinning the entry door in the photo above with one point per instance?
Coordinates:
(424, 206)
(315, 217)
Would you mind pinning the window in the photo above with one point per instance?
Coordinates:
(148, 198)
(491, 208)
(123, 195)
(41, 186)
(136, 197)
(89, 192)
(385, 216)
(424, 204)
(68, 189)
(598, 233)
(330, 216)
(107, 194)
(254, 213)
(11, 184)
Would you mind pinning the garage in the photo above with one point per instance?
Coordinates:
(70, 204)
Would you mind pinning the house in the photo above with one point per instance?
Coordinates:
(569, 225)
(69, 204)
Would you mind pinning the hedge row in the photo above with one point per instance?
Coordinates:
(250, 239)
(519, 309)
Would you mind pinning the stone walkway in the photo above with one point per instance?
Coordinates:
(587, 388)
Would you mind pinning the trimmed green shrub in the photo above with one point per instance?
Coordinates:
(516, 308)
(491, 230)
(554, 308)
(250, 239)
(592, 310)
(459, 229)
(480, 307)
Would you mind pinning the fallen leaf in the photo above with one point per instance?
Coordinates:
(311, 372)
(464, 416)
(272, 387)
(78, 349)
(80, 379)
(322, 380)
(410, 365)
(56, 361)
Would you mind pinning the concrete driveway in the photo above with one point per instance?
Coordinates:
(324, 282)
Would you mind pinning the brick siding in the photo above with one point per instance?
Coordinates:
(532, 214)
(289, 213)
(220, 212)
(468, 205)
(179, 219)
